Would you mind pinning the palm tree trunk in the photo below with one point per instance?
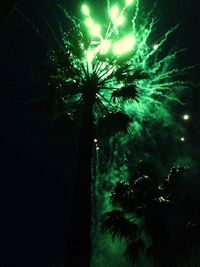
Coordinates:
(79, 251)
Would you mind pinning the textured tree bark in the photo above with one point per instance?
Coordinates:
(79, 250)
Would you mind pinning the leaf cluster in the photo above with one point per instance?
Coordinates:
(146, 203)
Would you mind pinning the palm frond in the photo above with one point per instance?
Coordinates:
(143, 167)
(144, 185)
(120, 72)
(135, 249)
(127, 75)
(122, 195)
(129, 92)
(174, 180)
(113, 123)
(136, 75)
(118, 225)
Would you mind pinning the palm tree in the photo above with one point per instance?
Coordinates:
(145, 217)
(90, 76)
(84, 92)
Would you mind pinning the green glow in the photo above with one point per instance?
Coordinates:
(89, 22)
(85, 10)
(120, 21)
(95, 30)
(124, 46)
(90, 56)
(129, 2)
(105, 46)
(101, 57)
(114, 12)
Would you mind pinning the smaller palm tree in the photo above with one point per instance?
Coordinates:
(145, 216)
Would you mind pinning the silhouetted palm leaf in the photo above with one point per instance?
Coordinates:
(122, 195)
(129, 92)
(174, 180)
(143, 167)
(114, 122)
(136, 75)
(127, 75)
(144, 188)
(114, 222)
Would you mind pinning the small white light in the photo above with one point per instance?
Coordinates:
(186, 117)
(85, 10)
(155, 47)
(182, 139)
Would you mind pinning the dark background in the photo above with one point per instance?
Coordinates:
(37, 169)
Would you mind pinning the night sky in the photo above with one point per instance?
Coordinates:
(37, 169)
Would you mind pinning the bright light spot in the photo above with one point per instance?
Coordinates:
(97, 148)
(105, 46)
(182, 139)
(124, 46)
(120, 21)
(95, 140)
(89, 22)
(129, 2)
(114, 12)
(95, 30)
(155, 47)
(186, 117)
(85, 10)
(90, 56)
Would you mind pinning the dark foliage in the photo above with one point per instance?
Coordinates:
(120, 227)
(123, 196)
(129, 92)
(151, 206)
(114, 123)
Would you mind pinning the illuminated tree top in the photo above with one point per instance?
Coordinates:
(117, 66)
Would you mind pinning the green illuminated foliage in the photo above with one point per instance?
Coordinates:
(132, 76)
